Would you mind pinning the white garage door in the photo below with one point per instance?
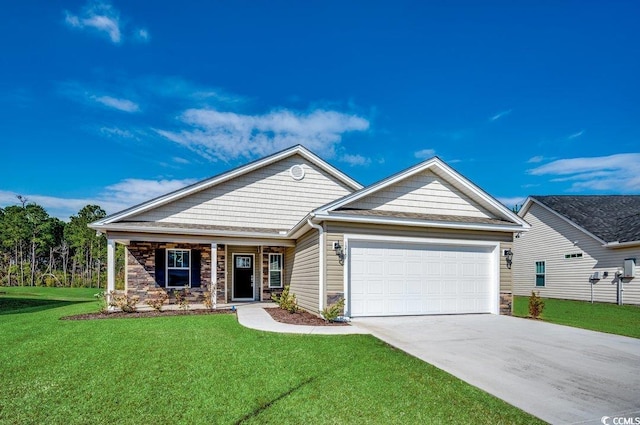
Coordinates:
(390, 279)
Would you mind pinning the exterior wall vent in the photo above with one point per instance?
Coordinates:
(297, 172)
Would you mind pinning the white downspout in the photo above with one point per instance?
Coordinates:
(321, 295)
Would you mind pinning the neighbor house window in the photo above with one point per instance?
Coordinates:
(275, 270)
(576, 255)
(540, 273)
(178, 268)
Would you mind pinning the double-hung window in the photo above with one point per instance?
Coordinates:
(178, 268)
(540, 273)
(275, 270)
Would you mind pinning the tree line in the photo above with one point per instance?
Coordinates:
(39, 250)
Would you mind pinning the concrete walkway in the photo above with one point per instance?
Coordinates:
(560, 374)
(253, 316)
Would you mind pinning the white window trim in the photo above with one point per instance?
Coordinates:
(535, 273)
(167, 268)
(281, 269)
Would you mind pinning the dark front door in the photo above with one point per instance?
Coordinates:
(242, 277)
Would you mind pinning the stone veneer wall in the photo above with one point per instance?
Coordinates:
(266, 291)
(506, 303)
(141, 270)
(220, 273)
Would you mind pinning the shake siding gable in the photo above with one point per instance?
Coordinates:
(424, 193)
(549, 240)
(303, 273)
(265, 198)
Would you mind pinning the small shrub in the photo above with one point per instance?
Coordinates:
(158, 302)
(182, 300)
(124, 302)
(286, 300)
(332, 312)
(536, 305)
(103, 305)
(208, 301)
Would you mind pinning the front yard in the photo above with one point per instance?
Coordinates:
(602, 317)
(209, 369)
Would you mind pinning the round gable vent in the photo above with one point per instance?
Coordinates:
(297, 172)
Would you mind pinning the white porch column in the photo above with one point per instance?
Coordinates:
(111, 268)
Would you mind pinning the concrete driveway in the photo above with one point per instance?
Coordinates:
(560, 374)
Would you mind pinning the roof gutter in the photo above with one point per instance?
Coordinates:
(177, 231)
(619, 245)
(422, 223)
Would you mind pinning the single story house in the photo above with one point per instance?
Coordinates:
(580, 247)
(423, 241)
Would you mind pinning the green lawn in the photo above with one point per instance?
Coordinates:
(209, 369)
(603, 317)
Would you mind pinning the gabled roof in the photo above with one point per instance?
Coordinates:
(505, 218)
(612, 219)
(220, 178)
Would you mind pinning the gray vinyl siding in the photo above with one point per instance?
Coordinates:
(233, 249)
(336, 231)
(424, 193)
(264, 198)
(549, 239)
(302, 270)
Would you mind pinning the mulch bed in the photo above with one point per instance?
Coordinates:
(300, 318)
(165, 313)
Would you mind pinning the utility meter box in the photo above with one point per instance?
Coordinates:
(629, 268)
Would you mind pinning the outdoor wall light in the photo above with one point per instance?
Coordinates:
(508, 255)
(339, 251)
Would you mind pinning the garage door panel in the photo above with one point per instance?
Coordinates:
(389, 278)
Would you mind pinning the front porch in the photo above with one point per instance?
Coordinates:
(231, 273)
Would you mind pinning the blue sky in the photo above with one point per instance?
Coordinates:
(116, 102)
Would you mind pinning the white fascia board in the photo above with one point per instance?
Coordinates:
(126, 238)
(424, 223)
(557, 214)
(302, 151)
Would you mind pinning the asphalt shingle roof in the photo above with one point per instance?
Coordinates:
(610, 217)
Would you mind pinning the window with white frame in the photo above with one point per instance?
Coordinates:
(275, 270)
(540, 273)
(178, 268)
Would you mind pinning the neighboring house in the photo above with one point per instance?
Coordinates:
(423, 241)
(578, 244)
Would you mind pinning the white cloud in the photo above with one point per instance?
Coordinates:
(118, 132)
(355, 160)
(130, 192)
(535, 159)
(500, 115)
(141, 34)
(112, 199)
(181, 160)
(124, 105)
(512, 201)
(618, 173)
(102, 17)
(574, 135)
(424, 153)
(99, 16)
(226, 136)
